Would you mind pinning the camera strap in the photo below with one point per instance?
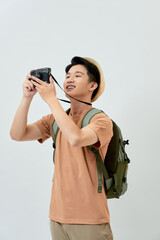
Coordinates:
(68, 94)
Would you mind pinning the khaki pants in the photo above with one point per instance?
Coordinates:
(62, 231)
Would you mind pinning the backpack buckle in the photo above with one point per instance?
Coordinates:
(124, 180)
(126, 142)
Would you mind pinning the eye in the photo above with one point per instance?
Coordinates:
(76, 76)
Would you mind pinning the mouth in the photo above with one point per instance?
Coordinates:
(70, 87)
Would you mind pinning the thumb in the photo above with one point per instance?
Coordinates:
(51, 80)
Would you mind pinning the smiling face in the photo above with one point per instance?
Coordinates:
(77, 84)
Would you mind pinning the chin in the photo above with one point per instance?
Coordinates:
(68, 96)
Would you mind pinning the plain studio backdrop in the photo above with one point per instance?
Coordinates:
(124, 37)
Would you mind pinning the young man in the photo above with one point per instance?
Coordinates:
(77, 210)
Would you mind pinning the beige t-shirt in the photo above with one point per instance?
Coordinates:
(74, 196)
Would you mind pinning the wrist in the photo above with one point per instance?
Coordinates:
(26, 100)
(52, 101)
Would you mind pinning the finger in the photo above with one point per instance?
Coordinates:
(27, 86)
(28, 76)
(27, 81)
(51, 81)
(35, 84)
(31, 85)
(38, 80)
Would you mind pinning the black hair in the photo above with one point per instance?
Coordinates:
(92, 71)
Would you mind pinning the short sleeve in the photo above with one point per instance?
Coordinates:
(45, 126)
(102, 125)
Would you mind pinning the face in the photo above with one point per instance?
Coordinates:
(76, 82)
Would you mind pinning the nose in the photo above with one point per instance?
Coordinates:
(70, 79)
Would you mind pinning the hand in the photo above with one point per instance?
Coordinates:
(28, 88)
(45, 90)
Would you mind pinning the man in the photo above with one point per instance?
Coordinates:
(77, 210)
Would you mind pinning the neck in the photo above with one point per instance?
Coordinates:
(78, 108)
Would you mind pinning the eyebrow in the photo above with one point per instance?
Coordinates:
(76, 72)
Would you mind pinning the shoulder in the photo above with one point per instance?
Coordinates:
(45, 125)
(45, 121)
(48, 118)
(103, 126)
(102, 117)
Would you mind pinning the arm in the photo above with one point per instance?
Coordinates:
(75, 136)
(20, 131)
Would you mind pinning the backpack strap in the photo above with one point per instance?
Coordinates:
(55, 130)
(101, 168)
(100, 165)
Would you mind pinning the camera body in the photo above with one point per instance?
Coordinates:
(41, 73)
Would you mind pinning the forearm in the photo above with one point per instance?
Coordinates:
(19, 124)
(69, 129)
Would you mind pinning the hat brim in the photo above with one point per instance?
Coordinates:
(102, 81)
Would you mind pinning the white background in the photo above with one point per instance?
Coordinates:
(123, 36)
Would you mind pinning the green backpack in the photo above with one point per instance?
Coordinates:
(116, 161)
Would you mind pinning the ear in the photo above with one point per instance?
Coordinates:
(93, 86)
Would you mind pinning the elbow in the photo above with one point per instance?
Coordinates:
(74, 142)
(14, 137)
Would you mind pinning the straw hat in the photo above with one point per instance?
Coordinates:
(102, 82)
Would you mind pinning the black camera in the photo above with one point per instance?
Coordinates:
(41, 73)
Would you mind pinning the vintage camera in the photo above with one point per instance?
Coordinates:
(41, 73)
